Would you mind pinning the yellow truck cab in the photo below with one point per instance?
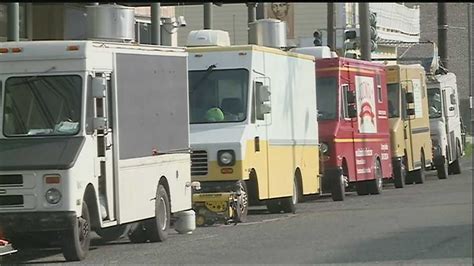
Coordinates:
(409, 123)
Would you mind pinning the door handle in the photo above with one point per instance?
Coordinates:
(257, 143)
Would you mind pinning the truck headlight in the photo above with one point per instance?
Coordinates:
(53, 196)
(226, 157)
(324, 148)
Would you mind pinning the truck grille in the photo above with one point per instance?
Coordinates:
(11, 201)
(11, 180)
(199, 163)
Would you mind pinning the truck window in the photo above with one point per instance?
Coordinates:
(326, 93)
(434, 102)
(217, 96)
(393, 100)
(42, 105)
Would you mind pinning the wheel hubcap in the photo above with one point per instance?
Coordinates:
(243, 198)
(294, 197)
(162, 214)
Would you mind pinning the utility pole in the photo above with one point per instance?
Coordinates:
(208, 16)
(364, 31)
(251, 17)
(443, 34)
(155, 23)
(251, 12)
(471, 61)
(331, 39)
(13, 22)
(261, 10)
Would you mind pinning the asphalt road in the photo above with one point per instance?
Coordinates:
(429, 223)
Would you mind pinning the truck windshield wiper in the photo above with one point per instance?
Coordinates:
(208, 72)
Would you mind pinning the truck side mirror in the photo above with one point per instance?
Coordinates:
(99, 86)
(352, 110)
(263, 93)
(350, 97)
(410, 111)
(409, 97)
(263, 97)
(100, 123)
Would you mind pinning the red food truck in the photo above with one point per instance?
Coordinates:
(353, 125)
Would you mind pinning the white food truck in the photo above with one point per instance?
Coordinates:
(93, 136)
(445, 123)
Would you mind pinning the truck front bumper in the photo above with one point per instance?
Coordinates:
(23, 222)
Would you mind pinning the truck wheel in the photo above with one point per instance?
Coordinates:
(158, 227)
(455, 167)
(288, 205)
(374, 186)
(243, 205)
(273, 206)
(338, 188)
(138, 233)
(362, 188)
(76, 241)
(419, 175)
(400, 174)
(442, 169)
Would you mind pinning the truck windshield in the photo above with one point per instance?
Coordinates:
(217, 96)
(434, 102)
(42, 105)
(393, 100)
(326, 93)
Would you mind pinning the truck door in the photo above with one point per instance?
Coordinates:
(452, 120)
(406, 87)
(103, 129)
(262, 120)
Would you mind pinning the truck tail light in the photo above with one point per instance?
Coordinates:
(72, 48)
(16, 50)
(3, 50)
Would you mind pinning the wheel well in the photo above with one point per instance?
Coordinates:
(91, 199)
(164, 182)
(252, 187)
(423, 162)
(345, 169)
(299, 180)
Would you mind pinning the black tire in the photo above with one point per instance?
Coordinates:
(159, 226)
(455, 167)
(375, 185)
(442, 170)
(419, 175)
(273, 206)
(138, 233)
(113, 233)
(338, 188)
(243, 206)
(362, 188)
(400, 174)
(76, 242)
(288, 205)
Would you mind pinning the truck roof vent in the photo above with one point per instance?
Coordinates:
(317, 52)
(111, 23)
(208, 38)
(268, 32)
